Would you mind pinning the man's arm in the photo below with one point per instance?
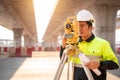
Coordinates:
(110, 60)
(109, 64)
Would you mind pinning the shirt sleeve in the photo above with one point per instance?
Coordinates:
(109, 61)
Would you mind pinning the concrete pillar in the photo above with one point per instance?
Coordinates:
(47, 45)
(105, 19)
(62, 32)
(28, 45)
(54, 43)
(17, 32)
(33, 43)
(27, 41)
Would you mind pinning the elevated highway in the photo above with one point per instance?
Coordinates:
(18, 16)
(104, 12)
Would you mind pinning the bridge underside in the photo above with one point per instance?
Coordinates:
(104, 13)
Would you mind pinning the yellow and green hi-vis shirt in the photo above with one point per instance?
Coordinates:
(95, 48)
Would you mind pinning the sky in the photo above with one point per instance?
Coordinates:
(43, 12)
(118, 12)
(5, 33)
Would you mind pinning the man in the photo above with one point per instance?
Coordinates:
(96, 49)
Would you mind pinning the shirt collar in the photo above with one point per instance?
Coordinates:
(89, 39)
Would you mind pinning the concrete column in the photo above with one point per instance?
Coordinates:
(26, 41)
(32, 42)
(62, 32)
(17, 32)
(54, 43)
(29, 45)
(105, 19)
(48, 45)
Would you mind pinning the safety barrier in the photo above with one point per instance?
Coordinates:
(36, 48)
(39, 48)
(118, 50)
(33, 48)
(18, 52)
(3, 50)
(58, 48)
(23, 51)
(29, 52)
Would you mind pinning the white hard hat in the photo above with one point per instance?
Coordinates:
(84, 15)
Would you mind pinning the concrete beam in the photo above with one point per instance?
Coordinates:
(18, 14)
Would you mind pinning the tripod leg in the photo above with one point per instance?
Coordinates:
(61, 66)
(88, 73)
(72, 71)
(68, 73)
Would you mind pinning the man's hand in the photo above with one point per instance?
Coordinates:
(93, 64)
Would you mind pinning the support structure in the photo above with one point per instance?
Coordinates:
(105, 17)
(17, 32)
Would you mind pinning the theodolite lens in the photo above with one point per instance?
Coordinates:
(68, 26)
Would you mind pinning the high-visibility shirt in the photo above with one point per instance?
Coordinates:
(95, 47)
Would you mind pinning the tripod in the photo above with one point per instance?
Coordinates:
(65, 57)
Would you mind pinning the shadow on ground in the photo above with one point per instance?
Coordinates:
(8, 66)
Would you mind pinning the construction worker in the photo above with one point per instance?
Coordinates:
(96, 49)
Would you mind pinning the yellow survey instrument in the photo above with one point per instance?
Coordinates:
(71, 30)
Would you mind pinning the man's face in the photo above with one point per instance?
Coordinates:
(84, 29)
